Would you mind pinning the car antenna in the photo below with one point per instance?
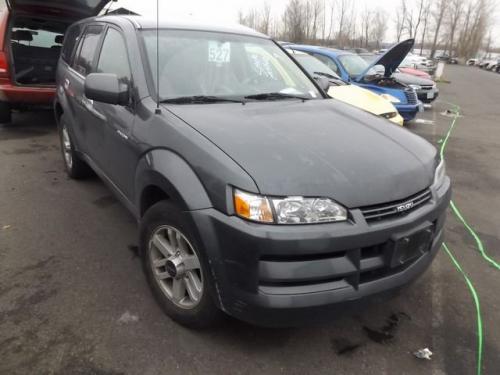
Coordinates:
(158, 110)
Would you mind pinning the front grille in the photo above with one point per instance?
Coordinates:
(411, 96)
(427, 88)
(397, 208)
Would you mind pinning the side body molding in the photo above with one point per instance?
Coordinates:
(168, 171)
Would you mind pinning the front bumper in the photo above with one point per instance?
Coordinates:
(26, 95)
(428, 95)
(398, 120)
(276, 275)
(407, 111)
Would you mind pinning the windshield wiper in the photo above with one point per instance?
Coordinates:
(327, 75)
(200, 99)
(275, 96)
(338, 81)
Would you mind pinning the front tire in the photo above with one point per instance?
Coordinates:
(75, 167)
(177, 272)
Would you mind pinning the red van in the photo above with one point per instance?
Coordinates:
(31, 38)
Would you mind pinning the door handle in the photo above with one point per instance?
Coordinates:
(89, 106)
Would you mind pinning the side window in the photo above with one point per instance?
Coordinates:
(70, 41)
(328, 62)
(114, 58)
(88, 47)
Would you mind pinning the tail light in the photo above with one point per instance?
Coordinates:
(4, 67)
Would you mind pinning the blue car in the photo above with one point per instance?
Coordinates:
(374, 76)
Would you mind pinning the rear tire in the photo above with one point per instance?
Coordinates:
(5, 113)
(75, 167)
(167, 240)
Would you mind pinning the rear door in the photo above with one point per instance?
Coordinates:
(73, 9)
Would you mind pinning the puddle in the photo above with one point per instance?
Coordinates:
(450, 113)
(344, 346)
(388, 331)
(105, 202)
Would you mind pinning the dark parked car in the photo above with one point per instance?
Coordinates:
(256, 195)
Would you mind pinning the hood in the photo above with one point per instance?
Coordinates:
(414, 72)
(317, 148)
(362, 98)
(75, 9)
(410, 79)
(391, 59)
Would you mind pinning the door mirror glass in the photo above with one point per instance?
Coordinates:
(323, 82)
(106, 88)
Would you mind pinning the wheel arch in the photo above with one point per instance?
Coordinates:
(163, 175)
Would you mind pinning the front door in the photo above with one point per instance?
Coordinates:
(114, 122)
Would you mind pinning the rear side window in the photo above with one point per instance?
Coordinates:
(70, 42)
(114, 58)
(88, 46)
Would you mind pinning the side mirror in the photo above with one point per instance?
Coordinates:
(323, 82)
(106, 88)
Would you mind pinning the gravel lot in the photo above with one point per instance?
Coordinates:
(73, 299)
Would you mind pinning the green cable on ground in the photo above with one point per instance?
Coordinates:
(479, 243)
(478, 309)
(480, 247)
(454, 208)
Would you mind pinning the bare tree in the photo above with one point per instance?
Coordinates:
(426, 13)
(366, 23)
(454, 18)
(293, 21)
(441, 7)
(401, 19)
(422, 6)
(475, 28)
(265, 18)
(332, 14)
(379, 27)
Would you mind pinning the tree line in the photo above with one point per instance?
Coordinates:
(459, 27)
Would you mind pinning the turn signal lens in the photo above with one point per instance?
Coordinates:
(252, 207)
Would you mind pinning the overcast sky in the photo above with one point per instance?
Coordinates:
(227, 10)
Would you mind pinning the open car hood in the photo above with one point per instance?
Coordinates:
(76, 9)
(391, 59)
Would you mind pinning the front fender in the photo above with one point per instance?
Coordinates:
(168, 171)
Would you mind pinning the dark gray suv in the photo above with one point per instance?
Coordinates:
(256, 195)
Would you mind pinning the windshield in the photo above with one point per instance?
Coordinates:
(200, 63)
(314, 66)
(354, 64)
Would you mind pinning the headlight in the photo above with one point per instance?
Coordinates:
(440, 174)
(289, 210)
(416, 87)
(389, 115)
(390, 98)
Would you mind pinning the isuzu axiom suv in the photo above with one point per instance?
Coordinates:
(256, 194)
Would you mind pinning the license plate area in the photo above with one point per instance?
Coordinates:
(409, 247)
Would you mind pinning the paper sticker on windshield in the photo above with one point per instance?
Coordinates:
(219, 53)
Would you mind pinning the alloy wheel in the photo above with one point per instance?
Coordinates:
(67, 150)
(176, 267)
